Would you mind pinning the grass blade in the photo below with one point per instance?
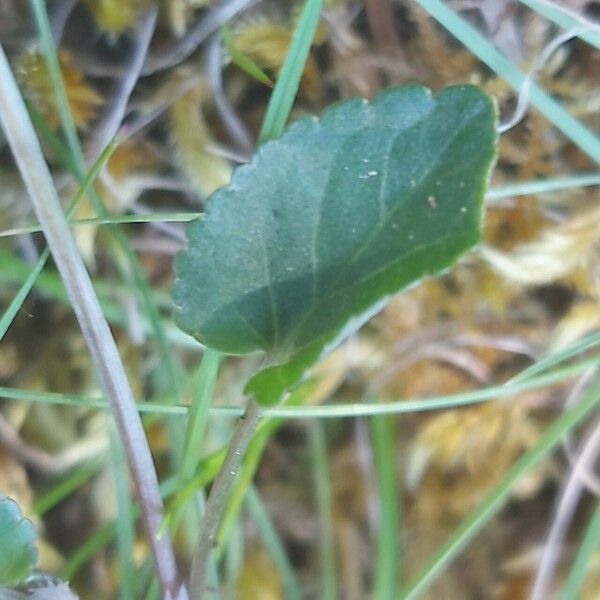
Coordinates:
(8, 316)
(203, 387)
(272, 541)
(283, 95)
(433, 403)
(242, 60)
(589, 544)
(16, 270)
(543, 186)
(175, 217)
(125, 534)
(325, 411)
(496, 498)
(566, 19)
(64, 488)
(318, 451)
(167, 363)
(60, 93)
(25, 146)
(92, 545)
(585, 343)
(386, 564)
(487, 53)
(15, 305)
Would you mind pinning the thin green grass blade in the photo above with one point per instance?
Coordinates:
(204, 475)
(273, 544)
(496, 498)
(543, 186)
(17, 302)
(174, 217)
(125, 533)
(432, 403)
(8, 316)
(104, 536)
(209, 466)
(386, 562)
(318, 452)
(522, 188)
(589, 545)
(98, 403)
(144, 576)
(580, 135)
(64, 488)
(585, 343)
(153, 591)
(51, 139)
(60, 93)
(283, 95)
(168, 368)
(202, 391)
(565, 19)
(89, 548)
(497, 393)
(203, 385)
(242, 60)
(16, 270)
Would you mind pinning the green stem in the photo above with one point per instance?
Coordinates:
(28, 154)
(218, 497)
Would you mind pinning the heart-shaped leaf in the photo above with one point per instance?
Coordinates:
(18, 554)
(310, 239)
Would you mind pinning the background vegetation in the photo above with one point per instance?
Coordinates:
(344, 503)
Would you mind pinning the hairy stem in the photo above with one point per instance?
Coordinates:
(219, 495)
(105, 357)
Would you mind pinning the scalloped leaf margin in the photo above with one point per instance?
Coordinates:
(18, 552)
(313, 236)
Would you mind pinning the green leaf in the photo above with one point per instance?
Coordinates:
(18, 554)
(311, 238)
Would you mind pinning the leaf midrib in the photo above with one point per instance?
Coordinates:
(318, 300)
